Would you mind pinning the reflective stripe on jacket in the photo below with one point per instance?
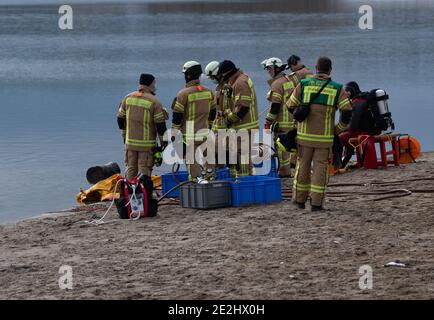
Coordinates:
(142, 110)
(281, 88)
(243, 94)
(195, 103)
(318, 129)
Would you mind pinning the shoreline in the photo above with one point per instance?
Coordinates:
(267, 252)
(77, 207)
(49, 214)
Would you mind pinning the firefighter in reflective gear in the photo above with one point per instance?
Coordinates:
(220, 99)
(193, 110)
(281, 88)
(315, 135)
(242, 112)
(298, 72)
(298, 68)
(141, 117)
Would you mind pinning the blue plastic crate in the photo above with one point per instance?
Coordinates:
(223, 173)
(170, 180)
(255, 190)
(272, 171)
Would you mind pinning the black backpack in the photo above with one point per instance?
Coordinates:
(136, 200)
(288, 140)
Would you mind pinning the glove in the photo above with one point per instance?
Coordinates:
(227, 90)
(227, 122)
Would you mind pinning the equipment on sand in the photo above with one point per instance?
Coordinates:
(98, 173)
(409, 149)
(378, 103)
(136, 200)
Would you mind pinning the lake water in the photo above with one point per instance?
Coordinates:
(60, 90)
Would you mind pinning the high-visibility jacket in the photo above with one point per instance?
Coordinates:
(195, 102)
(318, 129)
(281, 88)
(142, 111)
(302, 72)
(243, 94)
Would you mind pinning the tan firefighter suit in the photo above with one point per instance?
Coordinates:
(281, 88)
(302, 72)
(195, 102)
(243, 95)
(315, 136)
(142, 111)
(221, 101)
(221, 104)
(299, 73)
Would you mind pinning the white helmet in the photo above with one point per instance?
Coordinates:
(189, 64)
(270, 62)
(212, 68)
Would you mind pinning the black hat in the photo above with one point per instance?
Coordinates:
(293, 60)
(226, 66)
(353, 88)
(146, 79)
(195, 71)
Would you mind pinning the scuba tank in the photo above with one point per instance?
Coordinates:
(378, 101)
(382, 101)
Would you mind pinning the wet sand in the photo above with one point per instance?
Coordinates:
(267, 252)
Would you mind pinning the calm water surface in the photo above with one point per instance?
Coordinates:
(60, 90)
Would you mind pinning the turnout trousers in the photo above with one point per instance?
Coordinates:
(244, 166)
(138, 161)
(285, 160)
(194, 167)
(311, 174)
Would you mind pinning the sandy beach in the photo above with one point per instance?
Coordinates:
(267, 252)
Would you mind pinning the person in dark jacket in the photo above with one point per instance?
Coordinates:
(361, 121)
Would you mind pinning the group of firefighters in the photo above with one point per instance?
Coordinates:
(233, 104)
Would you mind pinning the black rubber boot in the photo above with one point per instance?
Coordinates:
(337, 161)
(287, 176)
(299, 205)
(345, 161)
(316, 208)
